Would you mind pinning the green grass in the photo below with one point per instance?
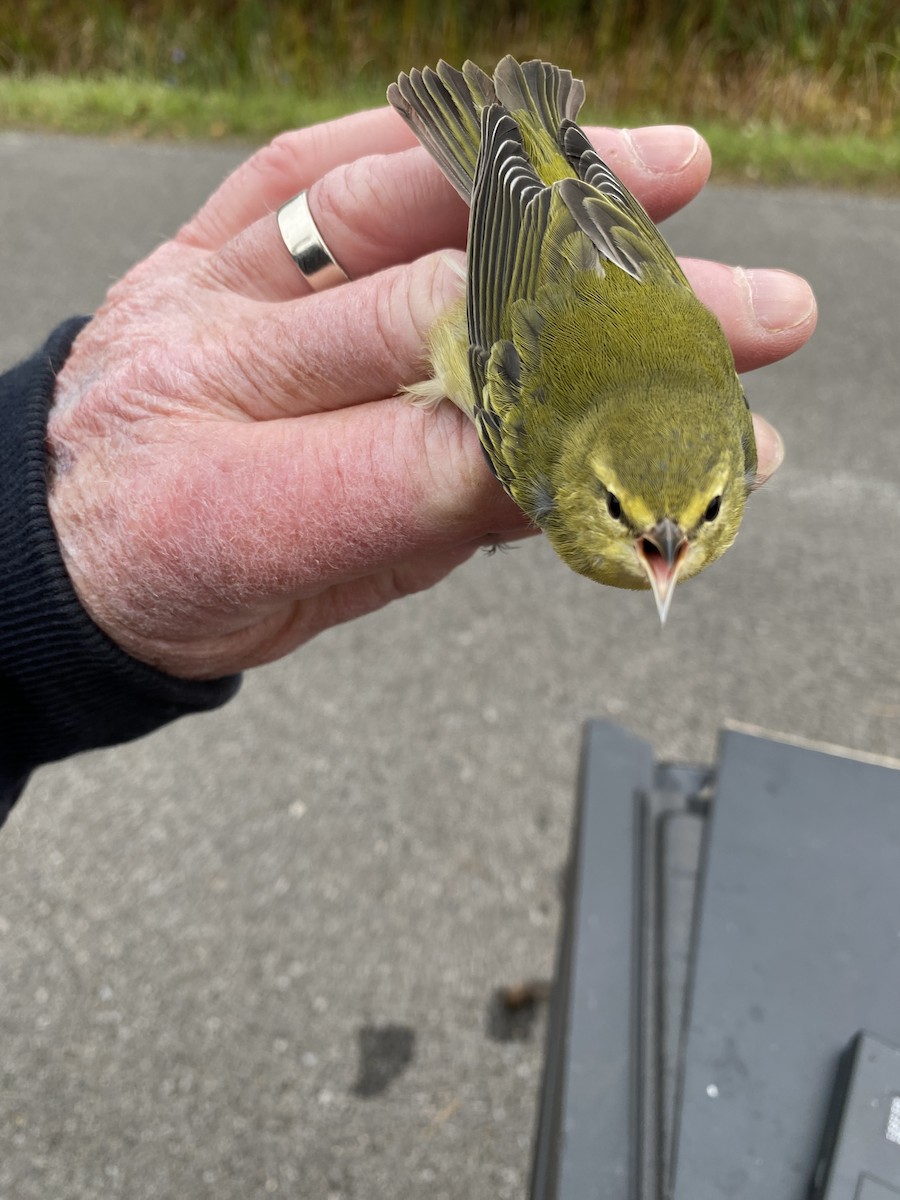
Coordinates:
(220, 42)
(116, 105)
(759, 151)
(800, 91)
(773, 155)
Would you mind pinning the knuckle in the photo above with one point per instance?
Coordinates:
(353, 199)
(281, 158)
(401, 318)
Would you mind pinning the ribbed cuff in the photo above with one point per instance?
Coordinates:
(64, 685)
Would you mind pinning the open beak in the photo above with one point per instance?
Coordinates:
(661, 552)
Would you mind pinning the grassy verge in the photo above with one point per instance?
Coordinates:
(774, 155)
(121, 106)
(117, 106)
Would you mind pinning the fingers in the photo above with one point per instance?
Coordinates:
(282, 510)
(372, 214)
(766, 314)
(389, 208)
(367, 339)
(287, 165)
(380, 485)
(664, 165)
(362, 341)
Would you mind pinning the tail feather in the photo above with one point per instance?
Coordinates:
(549, 93)
(443, 107)
(481, 86)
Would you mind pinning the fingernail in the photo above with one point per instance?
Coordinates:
(780, 300)
(769, 447)
(454, 276)
(778, 452)
(447, 279)
(664, 149)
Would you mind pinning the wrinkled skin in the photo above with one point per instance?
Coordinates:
(231, 470)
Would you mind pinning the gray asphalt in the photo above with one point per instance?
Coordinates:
(254, 954)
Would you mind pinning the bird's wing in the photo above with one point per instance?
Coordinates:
(509, 220)
(510, 207)
(604, 208)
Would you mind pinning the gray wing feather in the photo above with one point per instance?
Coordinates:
(505, 186)
(608, 213)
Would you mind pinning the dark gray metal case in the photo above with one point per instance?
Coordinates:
(728, 931)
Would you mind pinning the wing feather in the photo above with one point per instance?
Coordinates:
(609, 214)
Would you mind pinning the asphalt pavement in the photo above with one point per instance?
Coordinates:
(255, 953)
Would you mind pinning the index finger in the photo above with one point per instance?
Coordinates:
(666, 166)
(288, 164)
(379, 210)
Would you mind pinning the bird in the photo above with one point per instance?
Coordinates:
(603, 391)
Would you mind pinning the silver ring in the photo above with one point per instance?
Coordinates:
(306, 246)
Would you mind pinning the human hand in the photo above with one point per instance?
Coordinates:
(231, 470)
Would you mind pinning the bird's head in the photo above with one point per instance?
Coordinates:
(654, 496)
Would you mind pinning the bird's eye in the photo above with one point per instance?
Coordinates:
(712, 509)
(613, 507)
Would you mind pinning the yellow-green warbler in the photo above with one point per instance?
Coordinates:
(603, 391)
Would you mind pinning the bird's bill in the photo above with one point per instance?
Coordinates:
(661, 553)
(663, 584)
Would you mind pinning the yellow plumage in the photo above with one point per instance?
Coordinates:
(604, 393)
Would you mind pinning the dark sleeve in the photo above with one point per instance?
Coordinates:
(64, 685)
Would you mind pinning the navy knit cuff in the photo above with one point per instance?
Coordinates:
(64, 685)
